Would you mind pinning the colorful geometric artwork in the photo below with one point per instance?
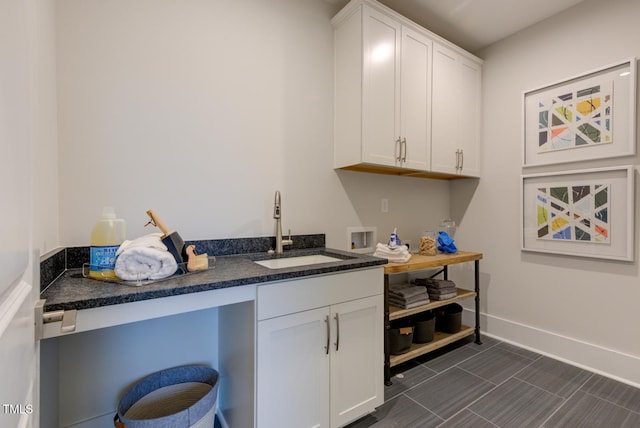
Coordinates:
(576, 119)
(578, 212)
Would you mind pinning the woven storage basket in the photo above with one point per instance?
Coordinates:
(181, 397)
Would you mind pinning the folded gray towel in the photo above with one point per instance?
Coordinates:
(411, 299)
(442, 296)
(408, 305)
(407, 290)
(436, 283)
(447, 290)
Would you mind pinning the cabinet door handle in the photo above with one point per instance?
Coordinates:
(399, 149)
(461, 159)
(326, 348)
(337, 318)
(457, 159)
(404, 145)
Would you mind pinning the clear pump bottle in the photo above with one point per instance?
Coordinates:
(106, 236)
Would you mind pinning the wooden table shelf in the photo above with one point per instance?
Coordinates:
(397, 313)
(440, 339)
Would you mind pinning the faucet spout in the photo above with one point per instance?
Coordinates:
(276, 206)
(277, 215)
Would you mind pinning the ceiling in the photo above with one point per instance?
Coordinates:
(475, 24)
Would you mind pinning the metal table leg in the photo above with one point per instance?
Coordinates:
(387, 329)
(477, 290)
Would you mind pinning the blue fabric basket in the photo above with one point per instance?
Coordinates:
(180, 397)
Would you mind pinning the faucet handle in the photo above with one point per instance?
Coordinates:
(288, 241)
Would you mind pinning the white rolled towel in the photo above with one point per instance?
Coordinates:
(152, 240)
(399, 254)
(145, 258)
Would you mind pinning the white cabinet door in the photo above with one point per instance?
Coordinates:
(455, 124)
(415, 104)
(293, 370)
(380, 96)
(357, 359)
(18, 351)
(396, 93)
(470, 86)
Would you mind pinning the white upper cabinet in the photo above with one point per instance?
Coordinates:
(383, 84)
(455, 136)
(385, 102)
(415, 100)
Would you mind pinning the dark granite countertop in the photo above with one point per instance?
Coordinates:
(72, 291)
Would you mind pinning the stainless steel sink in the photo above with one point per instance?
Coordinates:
(287, 262)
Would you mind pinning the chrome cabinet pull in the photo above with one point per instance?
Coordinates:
(461, 159)
(326, 348)
(457, 159)
(404, 144)
(399, 149)
(337, 318)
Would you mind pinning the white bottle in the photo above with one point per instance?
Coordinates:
(106, 237)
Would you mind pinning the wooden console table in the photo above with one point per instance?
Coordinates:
(440, 339)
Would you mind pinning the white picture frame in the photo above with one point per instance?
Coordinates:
(589, 116)
(543, 229)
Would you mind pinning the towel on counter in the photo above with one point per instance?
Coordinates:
(144, 258)
(152, 240)
(398, 254)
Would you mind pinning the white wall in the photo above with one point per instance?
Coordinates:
(201, 110)
(44, 127)
(583, 310)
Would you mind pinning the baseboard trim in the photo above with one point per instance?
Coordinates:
(598, 359)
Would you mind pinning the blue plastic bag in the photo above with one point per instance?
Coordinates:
(445, 243)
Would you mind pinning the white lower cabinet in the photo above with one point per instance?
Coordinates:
(356, 388)
(293, 370)
(321, 366)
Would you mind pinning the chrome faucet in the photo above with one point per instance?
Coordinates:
(277, 214)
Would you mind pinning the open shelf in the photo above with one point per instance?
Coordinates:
(440, 339)
(396, 313)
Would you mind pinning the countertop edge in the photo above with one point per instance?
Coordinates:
(73, 292)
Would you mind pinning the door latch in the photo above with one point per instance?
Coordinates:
(67, 317)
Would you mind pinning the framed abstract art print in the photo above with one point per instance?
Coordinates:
(591, 116)
(585, 213)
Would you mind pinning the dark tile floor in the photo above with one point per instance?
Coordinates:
(499, 385)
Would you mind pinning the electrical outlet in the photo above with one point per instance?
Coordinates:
(384, 205)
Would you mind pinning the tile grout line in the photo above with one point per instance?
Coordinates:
(427, 409)
(566, 400)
